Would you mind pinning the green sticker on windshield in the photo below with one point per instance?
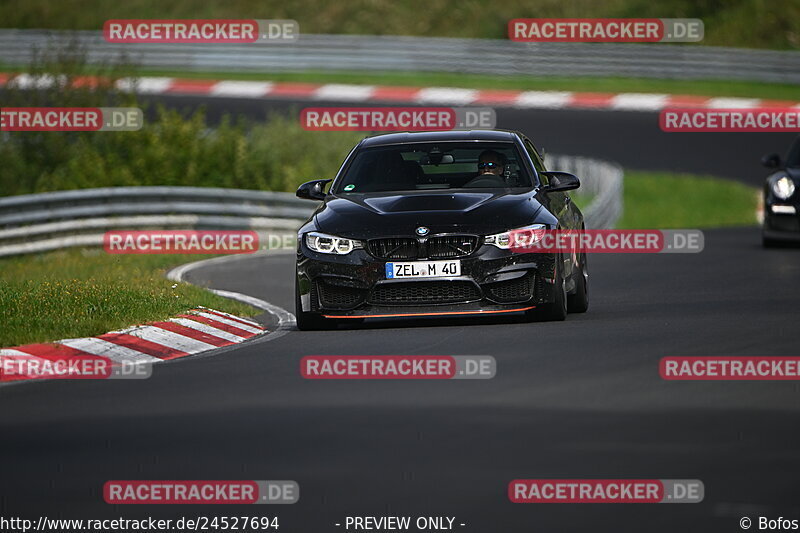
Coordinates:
(349, 187)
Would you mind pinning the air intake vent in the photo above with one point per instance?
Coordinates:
(425, 292)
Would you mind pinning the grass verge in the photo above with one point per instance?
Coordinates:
(662, 200)
(81, 293)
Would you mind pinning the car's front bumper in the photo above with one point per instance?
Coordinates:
(355, 285)
(781, 221)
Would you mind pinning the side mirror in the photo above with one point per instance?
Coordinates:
(771, 161)
(312, 190)
(561, 181)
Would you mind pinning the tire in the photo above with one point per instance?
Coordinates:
(770, 243)
(308, 321)
(579, 301)
(556, 310)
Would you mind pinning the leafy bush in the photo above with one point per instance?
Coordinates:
(171, 148)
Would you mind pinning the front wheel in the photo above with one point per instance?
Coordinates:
(557, 309)
(579, 301)
(308, 321)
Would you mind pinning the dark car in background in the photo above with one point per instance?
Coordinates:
(781, 197)
(421, 224)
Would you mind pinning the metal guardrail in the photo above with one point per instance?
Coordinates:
(428, 54)
(604, 185)
(41, 222)
(64, 205)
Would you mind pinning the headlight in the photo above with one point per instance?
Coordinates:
(330, 244)
(516, 238)
(783, 187)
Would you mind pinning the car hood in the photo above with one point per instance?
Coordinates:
(363, 216)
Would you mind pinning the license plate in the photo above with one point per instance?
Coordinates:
(423, 269)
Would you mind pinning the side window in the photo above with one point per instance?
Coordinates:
(537, 161)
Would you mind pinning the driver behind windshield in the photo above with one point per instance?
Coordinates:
(491, 162)
(491, 168)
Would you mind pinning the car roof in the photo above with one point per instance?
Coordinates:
(439, 136)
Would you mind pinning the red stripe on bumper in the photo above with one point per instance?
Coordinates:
(446, 313)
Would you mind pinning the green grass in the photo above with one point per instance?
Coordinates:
(80, 293)
(660, 200)
(745, 23)
(582, 200)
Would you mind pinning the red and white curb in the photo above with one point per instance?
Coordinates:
(412, 95)
(197, 331)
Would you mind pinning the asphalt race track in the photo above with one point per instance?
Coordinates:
(576, 399)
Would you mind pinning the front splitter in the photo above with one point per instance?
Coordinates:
(437, 313)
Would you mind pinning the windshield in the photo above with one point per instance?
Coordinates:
(418, 166)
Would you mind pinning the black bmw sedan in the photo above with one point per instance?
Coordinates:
(781, 199)
(422, 224)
